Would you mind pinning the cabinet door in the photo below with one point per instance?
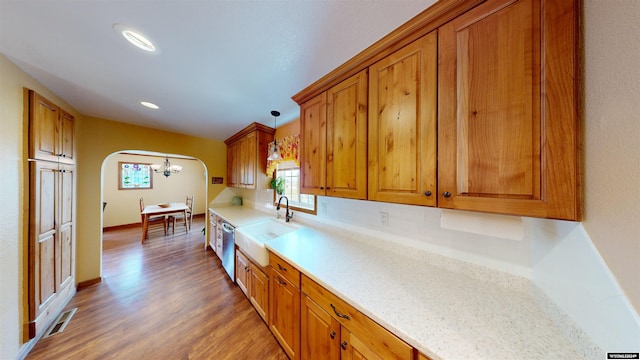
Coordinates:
(353, 348)
(248, 162)
(43, 239)
(347, 138)
(242, 272)
(319, 331)
(402, 125)
(313, 146)
(67, 129)
(259, 290)
(43, 123)
(64, 253)
(507, 120)
(284, 316)
(233, 165)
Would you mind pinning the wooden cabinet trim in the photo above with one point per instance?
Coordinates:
(250, 128)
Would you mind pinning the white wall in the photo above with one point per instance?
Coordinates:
(612, 137)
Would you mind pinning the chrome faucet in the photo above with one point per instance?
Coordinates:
(289, 215)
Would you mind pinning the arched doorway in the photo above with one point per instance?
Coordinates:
(121, 204)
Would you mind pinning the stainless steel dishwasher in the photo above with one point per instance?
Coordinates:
(228, 247)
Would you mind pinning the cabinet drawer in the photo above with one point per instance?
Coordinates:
(285, 269)
(377, 338)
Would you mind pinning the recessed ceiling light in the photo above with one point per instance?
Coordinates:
(135, 38)
(149, 105)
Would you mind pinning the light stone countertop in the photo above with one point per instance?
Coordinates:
(240, 215)
(445, 308)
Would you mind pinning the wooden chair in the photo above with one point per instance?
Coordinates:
(153, 219)
(180, 216)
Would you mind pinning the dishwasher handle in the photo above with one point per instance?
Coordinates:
(228, 227)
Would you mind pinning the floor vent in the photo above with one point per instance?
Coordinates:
(61, 322)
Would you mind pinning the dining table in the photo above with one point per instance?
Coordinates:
(161, 209)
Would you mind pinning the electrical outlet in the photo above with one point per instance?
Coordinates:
(323, 208)
(384, 218)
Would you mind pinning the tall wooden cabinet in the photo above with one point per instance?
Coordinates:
(247, 157)
(402, 124)
(51, 275)
(333, 128)
(508, 128)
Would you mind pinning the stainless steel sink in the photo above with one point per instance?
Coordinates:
(251, 238)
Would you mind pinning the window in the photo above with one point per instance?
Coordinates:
(134, 176)
(302, 202)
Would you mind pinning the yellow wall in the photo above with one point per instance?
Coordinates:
(288, 129)
(98, 138)
(95, 140)
(123, 205)
(14, 202)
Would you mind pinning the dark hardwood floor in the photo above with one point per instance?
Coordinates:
(165, 299)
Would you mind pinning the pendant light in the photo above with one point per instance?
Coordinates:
(274, 154)
(166, 169)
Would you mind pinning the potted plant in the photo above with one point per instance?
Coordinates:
(278, 185)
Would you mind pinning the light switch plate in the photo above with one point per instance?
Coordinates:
(384, 218)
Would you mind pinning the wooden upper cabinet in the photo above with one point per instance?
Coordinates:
(247, 157)
(67, 136)
(248, 149)
(508, 129)
(402, 124)
(51, 131)
(333, 128)
(313, 146)
(233, 165)
(347, 138)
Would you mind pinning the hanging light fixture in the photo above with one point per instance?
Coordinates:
(166, 169)
(274, 153)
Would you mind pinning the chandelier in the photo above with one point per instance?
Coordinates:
(166, 169)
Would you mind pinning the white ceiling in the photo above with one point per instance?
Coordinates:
(222, 63)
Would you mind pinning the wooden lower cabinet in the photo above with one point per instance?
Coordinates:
(254, 283)
(311, 323)
(242, 272)
(259, 290)
(320, 332)
(51, 257)
(326, 318)
(354, 347)
(284, 309)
